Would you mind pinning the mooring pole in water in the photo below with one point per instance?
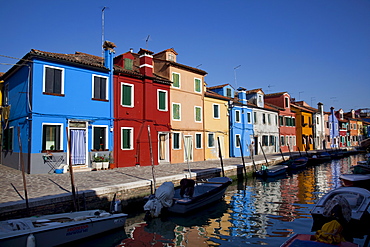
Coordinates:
(299, 151)
(220, 155)
(282, 154)
(152, 160)
(290, 154)
(71, 170)
(241, 152)
(267, 163)
(23, 171)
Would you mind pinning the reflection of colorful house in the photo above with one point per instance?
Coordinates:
(216, 128)
(333, 129)
(287, 129)
(265, 123)
(304, 130)
(141, 106)
(49, 109)
(186, 107)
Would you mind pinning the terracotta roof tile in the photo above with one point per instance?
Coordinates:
(219, 86)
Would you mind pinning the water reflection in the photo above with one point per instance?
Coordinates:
(254, 212)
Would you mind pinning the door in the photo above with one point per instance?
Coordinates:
(188, 144)
(163, 147)
(78, 146)
(222, 145)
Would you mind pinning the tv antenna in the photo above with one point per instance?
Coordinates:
(299, 93)
(269, 88)
(102, 29)
(236, 84)
(146, 41)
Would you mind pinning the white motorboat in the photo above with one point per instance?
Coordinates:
(56, 229)
(358, 200)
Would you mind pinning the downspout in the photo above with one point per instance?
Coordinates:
(29, 95)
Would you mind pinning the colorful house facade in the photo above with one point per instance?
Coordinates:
(304, 131)
(141, 112)
(333, 129)
(51, 120)
(287, 119)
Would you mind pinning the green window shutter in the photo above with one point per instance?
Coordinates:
(176, 111)
(128, 63)
(176, 141)
(198, 138)
(126, 95)
(237, 116)
(162, 100)
(197, 86)
(176, 80)
(198, 114)
(126, 138)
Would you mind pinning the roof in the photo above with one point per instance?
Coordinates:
(304, 108)
(219, 86)
(274, 106)
(254, 91)
(275, 94)
(216, 95)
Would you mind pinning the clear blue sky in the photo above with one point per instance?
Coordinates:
(317, 50)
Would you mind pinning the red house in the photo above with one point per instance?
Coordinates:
(141, 111)
(287, 129)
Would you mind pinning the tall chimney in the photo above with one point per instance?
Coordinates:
(108, 54)
(146, 62)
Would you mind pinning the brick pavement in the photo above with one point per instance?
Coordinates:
(42, 186)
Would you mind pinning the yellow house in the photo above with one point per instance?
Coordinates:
(216, 128)
(186, 106)
(304, 131)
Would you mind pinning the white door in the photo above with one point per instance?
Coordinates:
(163, 140)
(188, 148)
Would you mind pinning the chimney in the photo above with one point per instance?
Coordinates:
(242, 95)
(320, 106)
(146, 62)
(108, 54)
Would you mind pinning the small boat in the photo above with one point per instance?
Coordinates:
(271, 171)
(336, 154)
(57, 229)
(295, 163)
(205, 193)
(307, 240)
(355, 180)
(191, 196)
(319, 158)
(358, 201)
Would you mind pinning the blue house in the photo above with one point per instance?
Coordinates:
(334, 129)
(240, 120)
(59, 110)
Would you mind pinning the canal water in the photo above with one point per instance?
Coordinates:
(253, 212)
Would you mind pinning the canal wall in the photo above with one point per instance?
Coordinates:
(131, 194)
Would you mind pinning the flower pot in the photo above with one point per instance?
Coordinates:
(97, 165)
(105, 165)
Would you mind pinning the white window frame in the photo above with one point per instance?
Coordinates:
(132, 95)
(173, 141)
(179, 79)
(166, 101)
(179, 104)
(195, 114)
(200, 86)
(61, 133)
(93, 137)
(106, 86)
(208, 135)
(131, 138)
(249, 117)
(236, 140)
(237, 112)
(218, 112)
(44, 77)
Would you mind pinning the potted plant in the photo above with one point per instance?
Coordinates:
(97, 163)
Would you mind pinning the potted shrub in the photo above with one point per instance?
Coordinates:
(97, 163)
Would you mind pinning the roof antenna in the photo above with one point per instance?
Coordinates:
(102, 29)
(146, 41)
(269, 88)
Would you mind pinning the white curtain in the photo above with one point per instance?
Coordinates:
(78, 147)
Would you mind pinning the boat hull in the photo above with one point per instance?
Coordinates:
(355, 180)
(305, 240)
(204, 194)
(272, 171)
(57, 233)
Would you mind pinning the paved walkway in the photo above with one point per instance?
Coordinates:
(42, 185)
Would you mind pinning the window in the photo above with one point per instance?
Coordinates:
(8, 139)
(53, 80)
(198, 114)
(216, 111)
(293, 121)
(281, 120)
(317, 120)
(265, 140)
(237, 141)
(162, 100)
(228, 92)
(287, 140)
(255, 117)
(6, 95)
(198, 140)
(127, 95)
(100, 87)
(249, 117)
(269, 118)
(128, 63)
(176, 111)
(99, 137)
(176, 80)
(175, 140)
(282, 141)
(286, 102)
(272, 140)
(127, 137)
(197, 85)
(51, 137)
(211, 140)
(237, 116)
(354, 126)
(263, 118)
(171, 57)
